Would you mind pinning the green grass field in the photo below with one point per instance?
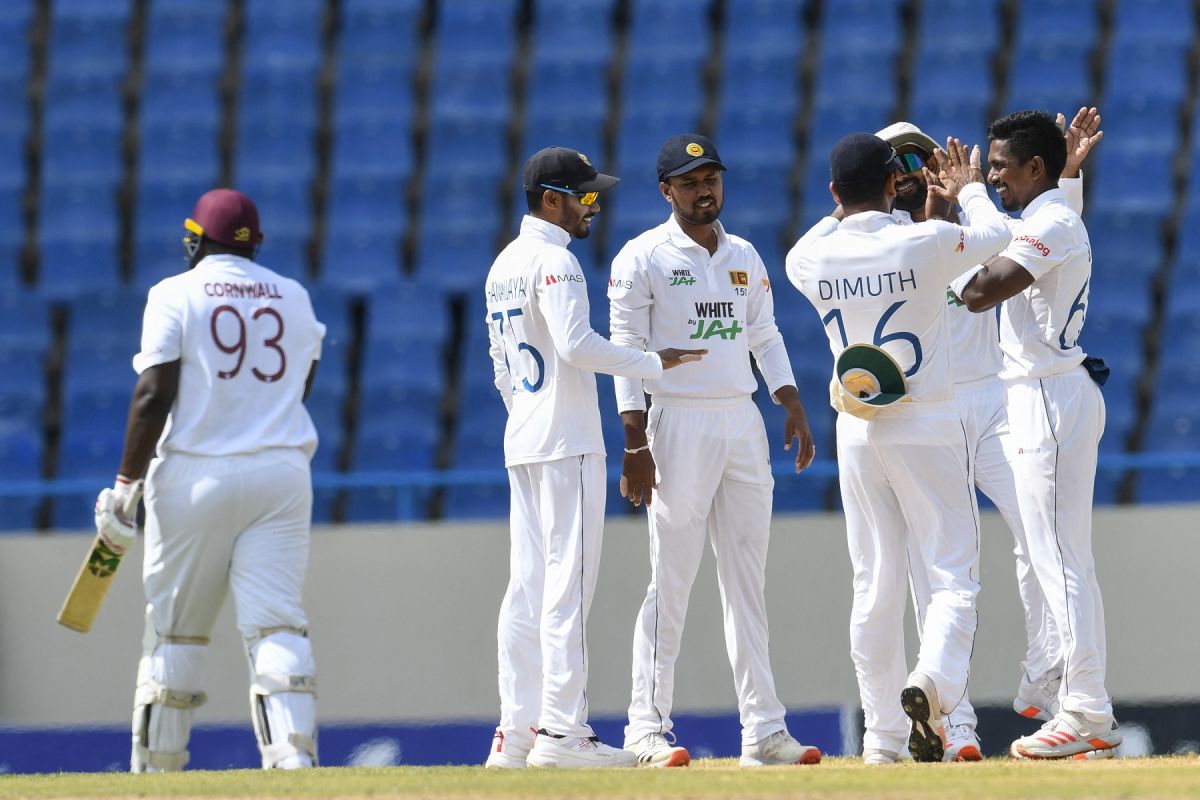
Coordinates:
(836, 778)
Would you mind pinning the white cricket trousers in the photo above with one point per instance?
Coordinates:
(1056, 427)
(556, 525)
(904, 476)
(714, 482)
(982, 405)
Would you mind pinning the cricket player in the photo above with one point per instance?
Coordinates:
(701, 463)
(1055, 413)
(229, 352)
(545, 354)
(903, 453)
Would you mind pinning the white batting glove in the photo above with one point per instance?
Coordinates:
(116, 513)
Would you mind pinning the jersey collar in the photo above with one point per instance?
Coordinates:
(1045, 198)
(868, 221)
(681, 239)
(544, 231)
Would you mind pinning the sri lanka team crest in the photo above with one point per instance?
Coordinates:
(694, 150)
(739, 277)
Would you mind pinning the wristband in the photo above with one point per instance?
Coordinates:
(636, 450)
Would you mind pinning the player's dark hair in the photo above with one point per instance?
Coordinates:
(1033, 133)
(534, 199)
(865, 189)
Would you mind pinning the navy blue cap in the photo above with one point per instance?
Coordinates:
(861, 158)
(684, 153)
(566, 169)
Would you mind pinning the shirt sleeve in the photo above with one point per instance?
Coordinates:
(629, 304)
(964, 246)
(1072, 189)
(766, 343)
(562, 297)
(1039, 245)
(795, 256)
(162, 329)
(500, 375)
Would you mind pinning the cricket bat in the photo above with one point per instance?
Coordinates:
(87, 593)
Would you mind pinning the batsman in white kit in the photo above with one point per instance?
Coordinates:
(701, 461)
(545, 354)
(1056, 414)
(903, 453)
(229, 351)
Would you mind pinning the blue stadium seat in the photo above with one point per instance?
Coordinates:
(1112, 190)
(186, 40)
(454, 255)
(1036, 63)
(411, 313)
(861, 26)
(471, 86)
(960, 24)
(832, 119)
(758, 83)
(567, 86)
(577, 129)
(767, 28)
(85, 453)
(1052, 22)
(380, 32)
(372, 92)
(109, 318)
(1183, 292)
(756, 139)
(277, 98)
(171, 150)
(1140, 122)
(476, 25)
(361, 262)
(284, 204)
(477, 502)
(373, 149)
(177, 98)
(365, 204)
(275, 151)
(402, 372)
(71, 266)
(565, 29)
(23, 395)
(83, 102)
(21, 460)
(1125, 245)
(14, 105)
(966, 118)
(282, 38)
(687, 21)
(74, 10)
(24, 322)
(475, 148)
(669, 83)
(641, 135)
(1154, 21)
(78, 157)
(943, 75)
(856, 77)
(1154, 70)
(93, 366)
(93, 46)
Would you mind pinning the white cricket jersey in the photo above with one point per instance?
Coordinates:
(246, 339)
(875, 280)
(544, 351)
(668, 291)
(1040, 327)
(975, 338)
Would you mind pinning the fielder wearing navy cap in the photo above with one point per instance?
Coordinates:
(683, 153)
(564, 168)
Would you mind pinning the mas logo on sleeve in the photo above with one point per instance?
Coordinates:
(739, 277)
(563, 277)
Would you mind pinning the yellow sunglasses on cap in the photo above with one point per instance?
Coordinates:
(585, 198)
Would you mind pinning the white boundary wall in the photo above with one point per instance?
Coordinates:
(403, 622)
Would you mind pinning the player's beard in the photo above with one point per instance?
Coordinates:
(700, 216)
(914, 200)
(583, 227)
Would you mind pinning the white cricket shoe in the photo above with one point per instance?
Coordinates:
(779, 748)
(506, 755)
(573, 752)
(878, 757)
(962, 744)
(1037, 699)
(1067, 735)
(920, 702)
(656, 750)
